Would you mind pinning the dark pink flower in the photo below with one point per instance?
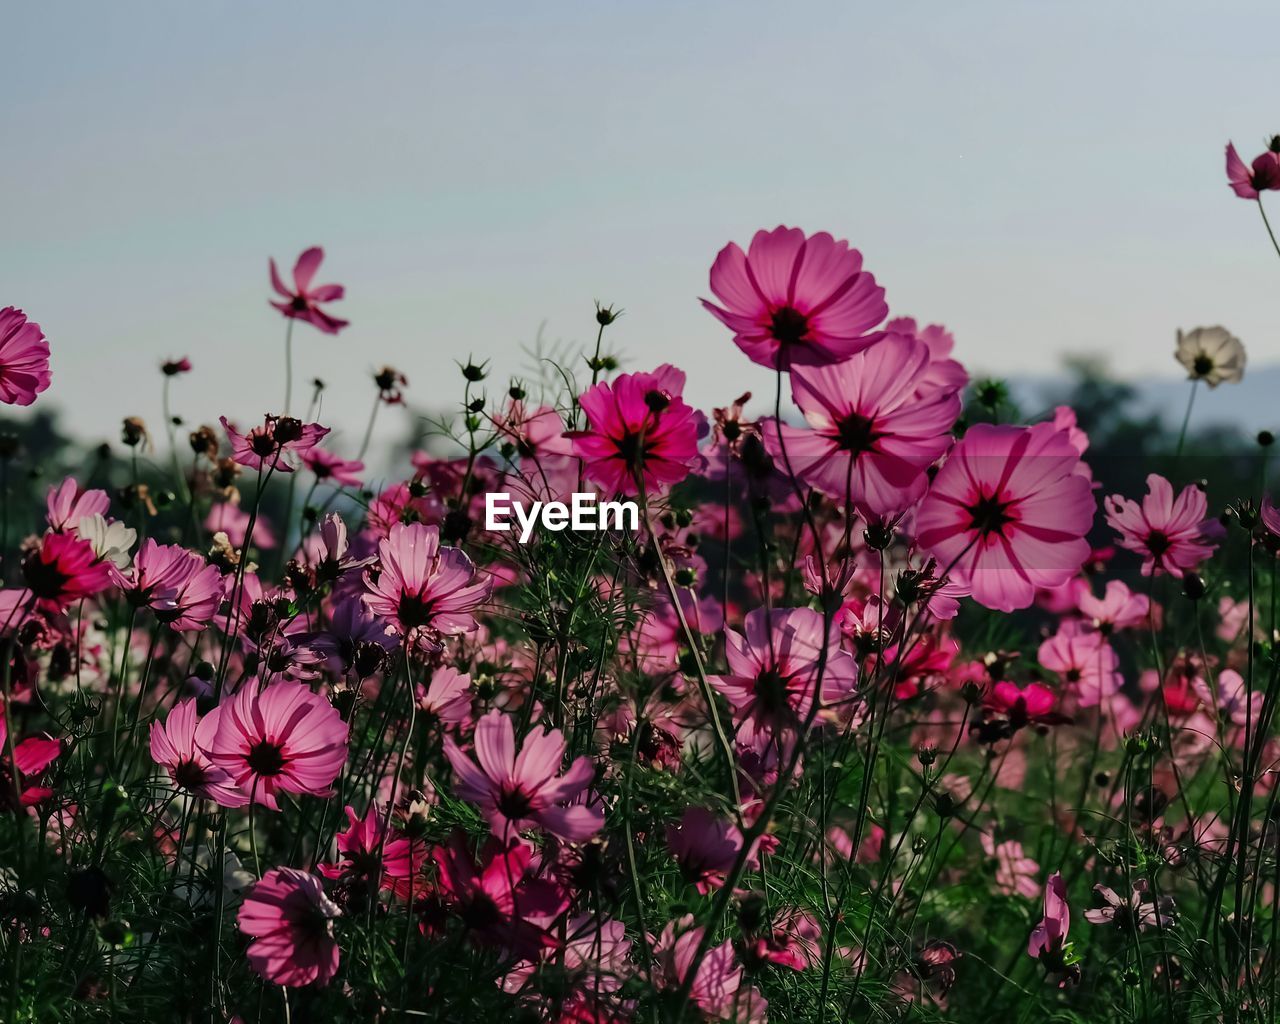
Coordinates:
(718, 988)
(178, 745)
(178, 585)
(1048, 936)
(63, 570)
(640, 426)
(518, 791)
(173, 367)
(372, 850)
(31, 757)
(282, 739)
(330, 468)
(1247, 181)
(420, 584)
(291, 922)
(277, 444)
(446, 698)
(1007, 513)
(773, 670)
(67, 504)
(24, 358)
(706, 847)
(304, 301)
(792, 300)
(875, 426)
(1171, 534)
(1024, 705)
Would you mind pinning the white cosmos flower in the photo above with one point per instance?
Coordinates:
(110, 541)
(1211, 354)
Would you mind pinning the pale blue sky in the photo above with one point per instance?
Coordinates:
(1042, 178)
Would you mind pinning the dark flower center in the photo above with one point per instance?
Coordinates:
(789, 325)
(989, 515)
(44, 578)
(414, 610)
(1203, 365)
(261, 445)
(857, 433)
(1158, 542)
(631, 449)
(771, 691)
(481, 913)
(514, 804)
(266, 758)
(299, 303)
(188, 775)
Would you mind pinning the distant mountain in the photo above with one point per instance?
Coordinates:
(1251, 405)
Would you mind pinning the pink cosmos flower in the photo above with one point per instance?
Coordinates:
(304, 301)
(282, 739)
(773, 670)
(277, 444)
(178, 746)
(794, 940)
(446, 698)
(1024, 705)
(501, 902)
(24, 358)
(291, 922)
(174, 367)
(1015, 871)
(62, 570)
(943, 372)
(875, 426)
(639, 426)
(1085, 662)
(1119, 608)
(1048, 936)
(534, 433)
(420, 584)
(1170, 533)
(518, 791)
(330, 468)
(706, 847)
(372, 850)
(595, 959)
(1008, 513)
(1246, 180)
(31, 757)
(1142, 910)
(793, 300)
(67, 504)
(718, 987)
(229, 518)
(178, 585)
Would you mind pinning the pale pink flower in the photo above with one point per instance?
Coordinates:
(179, 586)
(303, 302)
(178, 745)
(282, 739)
(291, 922)
(446, 698)
(1142, 910)
(773, 670)
(1008, 513)
(1118, 608)
(24, 358)
(227, 517)
(330, 468)
(1048, 936)
(1085, 663)
(875, 426)
(518, 791)
(1171, 534)
(1015, 871)
(793, 300)
(67, 504)
(718, 987)
(421, 584)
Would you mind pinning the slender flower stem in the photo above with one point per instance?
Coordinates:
(288, 364)
(1270, 234)
(1186, 418)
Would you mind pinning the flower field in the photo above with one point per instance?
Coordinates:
(902, 702)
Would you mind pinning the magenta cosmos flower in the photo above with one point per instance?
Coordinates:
(179, 586)
(773, 670)
(304, 301)
(640, 427)
(793, 300)
(291, 922)
(1262, 175)
(706, 847)
(421, 584)
(1008, 513)
(330, 468)
(1048, 936)
(63, 570)
(282, 739)
(876, 424)
(24, 358)
(178, 746)
(518, 791)
(277, 444)
(1170, 533)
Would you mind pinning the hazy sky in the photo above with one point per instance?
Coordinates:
(1042, 178)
